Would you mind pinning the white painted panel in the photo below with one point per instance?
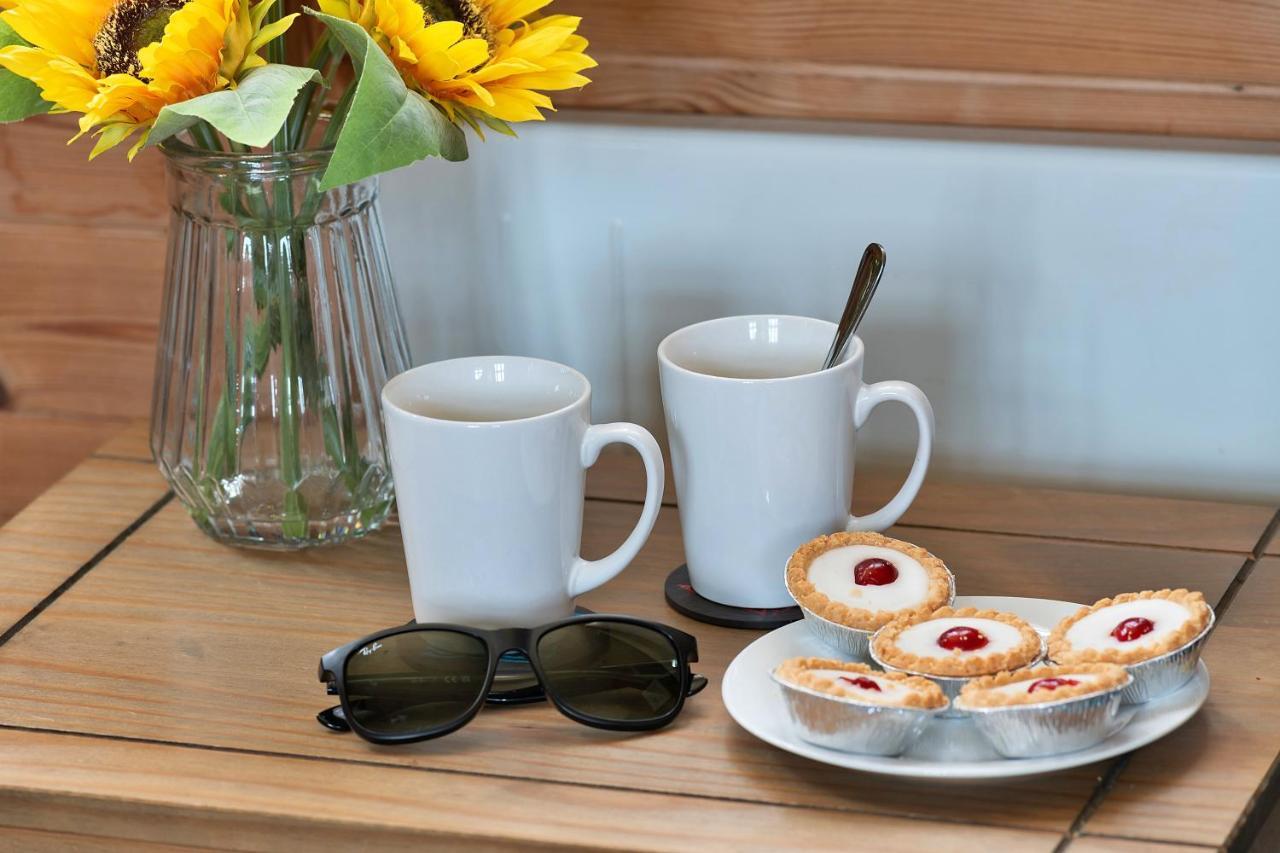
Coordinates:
(1082, 311)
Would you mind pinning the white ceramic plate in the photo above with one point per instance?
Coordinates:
(950, 748)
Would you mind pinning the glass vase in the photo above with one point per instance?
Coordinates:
(278, 331)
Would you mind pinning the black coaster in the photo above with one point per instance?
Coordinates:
(683, 599)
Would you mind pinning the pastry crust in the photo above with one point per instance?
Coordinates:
(979, 693)
(925, 694)
(807, 595)
(1061, 650)
(1026, 652)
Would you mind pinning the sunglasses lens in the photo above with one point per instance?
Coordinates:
(416, 681)
(615, 671)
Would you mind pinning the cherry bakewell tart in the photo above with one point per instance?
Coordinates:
(861, 683)
(951, 646)
(1046, 710)
(850, 584)
(1156, 635)
(1042, 684)
(853, 708)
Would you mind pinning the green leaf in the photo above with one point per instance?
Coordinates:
(492, 123)
(387, 125)
(252, 113)
(19, 97)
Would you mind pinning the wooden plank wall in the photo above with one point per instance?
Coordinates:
(83, 243)
(83, 250)
(1179, 67)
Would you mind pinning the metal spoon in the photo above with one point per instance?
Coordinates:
(864, 287)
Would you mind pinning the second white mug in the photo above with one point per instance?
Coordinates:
(762, 447)
(489, 456)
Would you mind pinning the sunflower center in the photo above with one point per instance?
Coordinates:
(466, 12)
(130, 26)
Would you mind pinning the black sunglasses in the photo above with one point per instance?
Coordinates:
(422, 681)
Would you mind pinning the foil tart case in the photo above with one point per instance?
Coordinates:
(848, 725)
(1051, 728)
(1162, 675)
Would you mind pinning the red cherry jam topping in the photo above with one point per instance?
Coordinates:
(963, 638)
(1051, 684)
(875, 572)
(861, 681)
(1133, 628)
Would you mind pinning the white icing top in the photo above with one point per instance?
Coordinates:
(922, 638)
(831, 573)
(1094, 630)
(890, 692)
(1022, 687)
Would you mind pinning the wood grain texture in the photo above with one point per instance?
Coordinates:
(1141, 66)
(1094, 844)
(234, 666)
(75, 841)
(78, 331)
(253, 802)
(36, 452)
(219, 648)
(66, 526)
(43, 179)
(83, 245)
(1230, 42)
(132, 442)
(1185, 787)
(1258, 608)
(974, 505)
(1193, 785)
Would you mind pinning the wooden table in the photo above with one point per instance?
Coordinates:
(158, 689)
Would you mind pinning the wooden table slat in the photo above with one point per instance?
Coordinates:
(1096, 844)
(132, 443)
(66, 526)
(1193, 785)
(170, 794)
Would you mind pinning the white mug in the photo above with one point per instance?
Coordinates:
(489, 457)
(762, 447)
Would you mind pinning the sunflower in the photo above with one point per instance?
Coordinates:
(119, 62)
(486, 59)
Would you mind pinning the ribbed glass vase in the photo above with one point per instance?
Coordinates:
(278, 331)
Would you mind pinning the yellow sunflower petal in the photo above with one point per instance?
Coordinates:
(402, 52)
(61, 82)
(344, 9)
(503, 13)
(469, 53)
(549, 81)
(271, 32)
(540, 42)
(186, 62)
(439, 37)
(112, 135)
(517, 105)
(65, 27)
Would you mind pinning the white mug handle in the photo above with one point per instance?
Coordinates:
(870, 396)
(586, 575)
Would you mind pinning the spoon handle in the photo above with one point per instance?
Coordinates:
(864, 287)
